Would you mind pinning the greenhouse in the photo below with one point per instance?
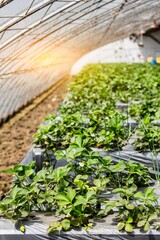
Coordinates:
(80, 119)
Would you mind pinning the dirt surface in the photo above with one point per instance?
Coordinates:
(16, 138)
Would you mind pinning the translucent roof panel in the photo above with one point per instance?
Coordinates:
(38, 34)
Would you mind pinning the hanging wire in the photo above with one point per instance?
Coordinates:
(29, 7)
(40, 39)
(112, 21)
(4, 3)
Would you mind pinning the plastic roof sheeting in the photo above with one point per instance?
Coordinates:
(39, 38)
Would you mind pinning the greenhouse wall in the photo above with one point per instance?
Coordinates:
(18, 91)
(124, 50)
(151, 47)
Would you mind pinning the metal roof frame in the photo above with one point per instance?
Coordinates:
(43, 37)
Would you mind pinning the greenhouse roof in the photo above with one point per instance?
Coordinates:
(31, 28)
(38, 34)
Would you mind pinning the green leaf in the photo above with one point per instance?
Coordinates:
(78, 183)
(119, 167)
(141, 223)
(9, 170)
(54, 224)
(139, 195)
(96, 154)
(152, 217)
(118, 190)
(133, 188)
(59, 173)
(97, 183)
(148, 191)
(151, 196)
(128, 227)
(40, 176)
(106, 160)
(105, 181)
(7, 200)
(75, 223)
(85, 177)
(70, 155)
(130, 220)
(24, 213)
(130, 181)
(63, 202)
(147, 227)
(80, 200)
(50, 199)
(109, 207)
(51, 192)
(89, 194)
(41, 200)
(67, 209)
(62, 196)
(93, 161)
(71, 193)
(130, 206)
(66, 224)
(19, 168)
(120, 226)
(78, 152)
(17, 192)
(42, 195)
(52, 227)
(78, 141)
(59, 154)
(29, 172)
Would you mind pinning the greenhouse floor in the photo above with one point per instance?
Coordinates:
(16, 136)
(104, 229)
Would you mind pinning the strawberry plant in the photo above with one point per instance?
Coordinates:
(148, 107)
(75, 192)
(89, 117)
(109, 133)
(148, 136)
(136, 209)
(90, 105)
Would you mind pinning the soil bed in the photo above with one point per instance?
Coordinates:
(16, 136)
